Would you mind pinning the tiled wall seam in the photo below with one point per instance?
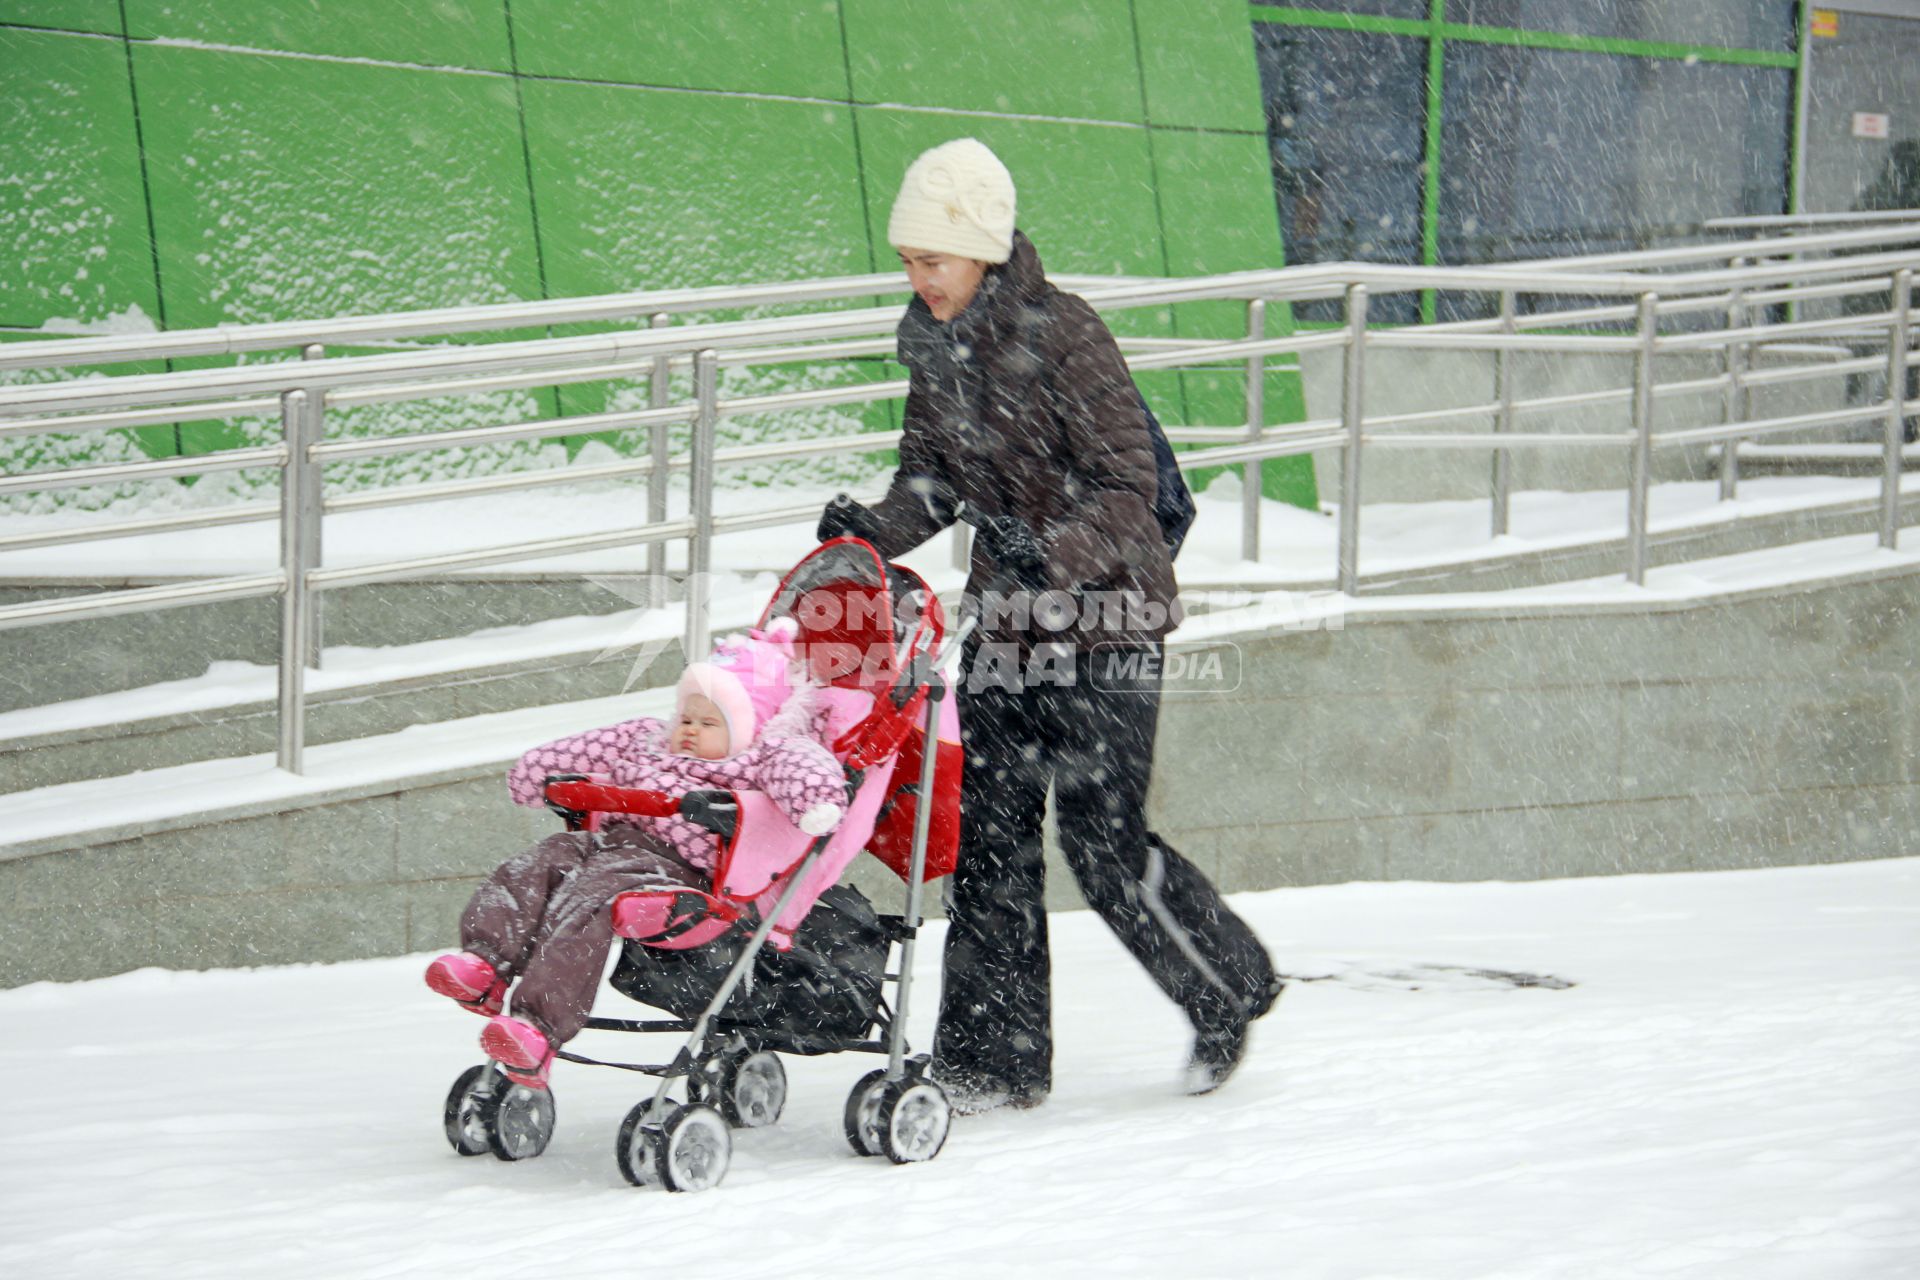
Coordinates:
(443, 68)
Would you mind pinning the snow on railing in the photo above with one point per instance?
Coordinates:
(1729, 297)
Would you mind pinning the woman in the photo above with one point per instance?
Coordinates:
(1022, 419)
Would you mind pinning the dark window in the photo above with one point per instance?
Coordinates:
(1866, 68)
(1547, 153)
(1346, 121)
(1737, 24)
(1371, 8)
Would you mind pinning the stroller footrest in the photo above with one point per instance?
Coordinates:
(673, 918)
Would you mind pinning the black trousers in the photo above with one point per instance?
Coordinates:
(1092, 740)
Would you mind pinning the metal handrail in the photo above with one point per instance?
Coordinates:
(494, 317)
(236, 339)
(1765, 221)
(1322, 280)
(1742, 281)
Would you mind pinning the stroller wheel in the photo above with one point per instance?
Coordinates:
(914, 1118)
(695, 1148)
(522, 1122)
(472, 1105)
(753, 1089)
(861, 1120)
(634, 1149)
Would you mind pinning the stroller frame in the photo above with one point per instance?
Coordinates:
(898, 1111)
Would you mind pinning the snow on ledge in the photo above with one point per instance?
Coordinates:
(100, 810)
(106, 809)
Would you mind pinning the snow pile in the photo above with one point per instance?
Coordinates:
(1726, 1090)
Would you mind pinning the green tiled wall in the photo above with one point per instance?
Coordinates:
(747, 46)
(287, 188)
(1197, 63)
(1064, 58)
(63, 15)
(441, 33)
(309, 159)
(73, 218)
(640, 188)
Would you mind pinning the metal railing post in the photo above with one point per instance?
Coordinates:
(1352, 395)
(296, 618)
(1736, 401)
(1899, 360)
(1641, 457)
(312, 505)
(706, 393)
(659, 394)
(1252, 477)
(1503, 421)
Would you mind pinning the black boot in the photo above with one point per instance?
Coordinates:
(972, 1095)
(1219, 1044)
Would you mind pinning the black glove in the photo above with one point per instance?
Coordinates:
(1009, 543)
(843, 516)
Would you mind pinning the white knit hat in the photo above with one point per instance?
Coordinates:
(956, 198)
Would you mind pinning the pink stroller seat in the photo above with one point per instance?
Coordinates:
(842, 598)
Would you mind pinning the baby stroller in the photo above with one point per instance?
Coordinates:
(777, 957)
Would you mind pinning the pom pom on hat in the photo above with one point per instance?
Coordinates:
(956, 198)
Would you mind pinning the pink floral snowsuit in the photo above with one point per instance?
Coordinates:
(543, 917)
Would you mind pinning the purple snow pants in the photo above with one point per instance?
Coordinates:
(543, 917)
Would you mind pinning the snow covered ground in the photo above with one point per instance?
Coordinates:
(1727, 1090)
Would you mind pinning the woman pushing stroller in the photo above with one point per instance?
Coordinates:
(540, 925)
(1021, 410)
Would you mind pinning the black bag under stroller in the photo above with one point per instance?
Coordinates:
(824, 990)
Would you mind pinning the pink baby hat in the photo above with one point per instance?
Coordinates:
(749, 678)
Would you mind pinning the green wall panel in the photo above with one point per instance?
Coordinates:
(73, 220)
(389, 189)
(1041, 57)
(386, 189)
(1220, 399)
(1216, 200)
(65, 15)
(1196, 57)
(1216, 197)
(640, 189)
(450, 33)
(763, 46)
(643, 189)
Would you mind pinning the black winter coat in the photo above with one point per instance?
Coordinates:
(1022, 405)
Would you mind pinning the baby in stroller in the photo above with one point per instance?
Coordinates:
(745, 719)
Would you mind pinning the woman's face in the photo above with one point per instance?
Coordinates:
(946, 283)
(701, 730)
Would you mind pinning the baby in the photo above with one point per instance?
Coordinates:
(742, 722)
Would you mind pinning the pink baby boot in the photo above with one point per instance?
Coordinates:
(466, 979)
(520, 1048)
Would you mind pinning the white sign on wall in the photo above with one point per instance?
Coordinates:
(1871, 124)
